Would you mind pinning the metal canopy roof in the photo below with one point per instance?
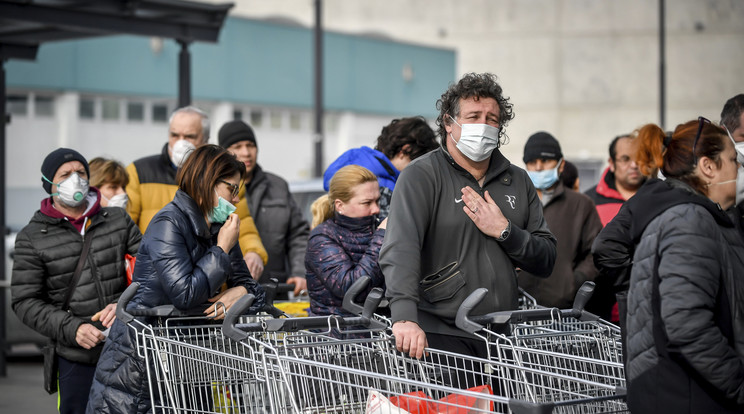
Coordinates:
(25, 24)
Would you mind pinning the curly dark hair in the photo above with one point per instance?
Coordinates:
(414, 132)
(731, 113)
(473, 85)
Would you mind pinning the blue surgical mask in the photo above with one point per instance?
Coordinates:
(546, 178)
(222, 211)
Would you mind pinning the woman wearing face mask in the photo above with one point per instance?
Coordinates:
(345, 239)
(188, 252)
(111, 179)
(685, 338)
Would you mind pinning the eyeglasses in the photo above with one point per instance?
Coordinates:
(701, 121)
(234, 188)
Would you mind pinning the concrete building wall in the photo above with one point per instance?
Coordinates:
(585, 70)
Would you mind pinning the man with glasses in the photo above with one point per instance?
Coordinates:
(265, 199)
(619, 181)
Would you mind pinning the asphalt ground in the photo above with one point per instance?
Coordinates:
(21, 390)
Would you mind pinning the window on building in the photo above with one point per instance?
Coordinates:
(295, 121)
(135, 111)
(110, 109)
(17, 104)
(44, 106)
(256, 118)
(159, 112)
(275, 119)
(87, 108)
(237, 114)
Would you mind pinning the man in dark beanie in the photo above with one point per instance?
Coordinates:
(571, 217)
(68, 273)
(265, 199)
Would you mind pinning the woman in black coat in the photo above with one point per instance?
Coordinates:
(185, 257)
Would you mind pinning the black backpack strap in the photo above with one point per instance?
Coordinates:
(87, 240)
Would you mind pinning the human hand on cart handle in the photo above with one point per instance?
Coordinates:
(88, 336)
(226, 300)
(106, 315)
(485, 213)
(229, 233)
(300, 284)
(410, 338)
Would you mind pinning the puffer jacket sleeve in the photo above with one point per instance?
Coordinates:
(249, 239)
(134, 206)
(29, 300)
(187, 284)
(327, 259)
(241, 276)
(690, 278)
(134, 236)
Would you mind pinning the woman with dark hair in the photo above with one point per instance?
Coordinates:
(685, 350)
(345, 239)
(188, 252)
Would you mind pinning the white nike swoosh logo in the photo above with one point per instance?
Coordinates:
(457, 201)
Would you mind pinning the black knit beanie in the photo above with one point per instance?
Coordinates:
(235, 131)
(54, 160)
(542, 145)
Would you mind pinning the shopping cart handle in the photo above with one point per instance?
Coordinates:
(356, 288)
(583, 295)
(462, 319)
(121, 304)
(272, 287)
(240, 307)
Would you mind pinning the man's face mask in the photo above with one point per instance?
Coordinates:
(477, 141)
(739, 146)
(546, 178)
(180, 151)
(222, 211)
(71, 191)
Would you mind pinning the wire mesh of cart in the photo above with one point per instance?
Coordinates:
(580, 348)
(318, 373)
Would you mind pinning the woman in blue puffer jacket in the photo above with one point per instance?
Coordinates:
(188, 252)
(345, 240)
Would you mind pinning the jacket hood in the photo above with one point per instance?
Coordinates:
(94, 206)
(656, 196)
(606, 185)
(368, 158)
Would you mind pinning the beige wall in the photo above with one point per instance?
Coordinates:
(585, 70)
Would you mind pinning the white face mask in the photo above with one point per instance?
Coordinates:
(477, 141)
(71, 191)
(739, 146)
(118, 200)
(180, 151)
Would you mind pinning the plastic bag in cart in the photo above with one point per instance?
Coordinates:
(419, 402)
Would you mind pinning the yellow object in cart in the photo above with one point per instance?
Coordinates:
(295, 309)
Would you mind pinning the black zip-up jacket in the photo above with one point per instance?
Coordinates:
(47, 251)
(434, 256)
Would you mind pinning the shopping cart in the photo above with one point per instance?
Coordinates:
(569, 342)
(316, 373)
(191, 367)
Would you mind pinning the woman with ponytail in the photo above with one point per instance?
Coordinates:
(345, 239)
(684, 327)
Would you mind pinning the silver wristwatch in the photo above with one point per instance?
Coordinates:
(505, 232)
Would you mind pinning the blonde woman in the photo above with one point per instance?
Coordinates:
(111, 179)
(345, 239)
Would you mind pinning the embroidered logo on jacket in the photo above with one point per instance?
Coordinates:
(511, 200)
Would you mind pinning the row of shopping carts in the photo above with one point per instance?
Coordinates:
(549, 360)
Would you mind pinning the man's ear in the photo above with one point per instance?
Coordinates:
(561, 166)
(612, 164)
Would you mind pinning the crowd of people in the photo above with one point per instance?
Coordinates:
(428, 216)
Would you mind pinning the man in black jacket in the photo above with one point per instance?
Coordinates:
(46, 296)
(266, 198)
